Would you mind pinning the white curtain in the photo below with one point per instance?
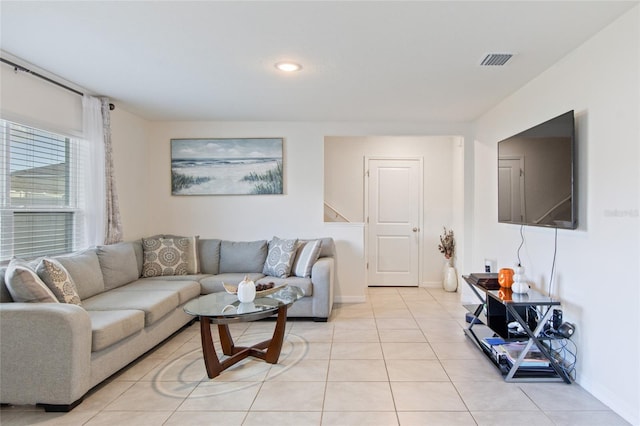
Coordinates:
(102, 224)
(94, 172)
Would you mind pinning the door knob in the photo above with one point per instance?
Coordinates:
(416, 229)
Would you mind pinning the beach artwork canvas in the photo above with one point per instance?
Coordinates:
(226, 166)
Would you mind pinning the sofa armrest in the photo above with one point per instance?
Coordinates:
(322, 277)
(45, 356)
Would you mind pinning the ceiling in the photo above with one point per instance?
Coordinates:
(362, 61)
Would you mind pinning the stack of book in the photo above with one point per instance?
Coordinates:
(533, 359)
(502, 350)
(488, 281)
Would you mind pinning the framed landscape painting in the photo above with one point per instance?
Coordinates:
(226, 166)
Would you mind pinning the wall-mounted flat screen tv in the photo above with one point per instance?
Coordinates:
(537, 175)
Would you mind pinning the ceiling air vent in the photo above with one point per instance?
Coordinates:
(497, 59)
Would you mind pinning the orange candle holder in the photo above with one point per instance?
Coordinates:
(505, 277)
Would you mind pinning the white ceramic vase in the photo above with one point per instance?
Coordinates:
(449, 277)
(519, 285)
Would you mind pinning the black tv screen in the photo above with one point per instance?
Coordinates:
(537, 175)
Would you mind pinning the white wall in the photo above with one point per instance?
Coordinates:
(297, 213)
(597, 264)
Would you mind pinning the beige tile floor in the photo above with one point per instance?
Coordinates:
(399, 359)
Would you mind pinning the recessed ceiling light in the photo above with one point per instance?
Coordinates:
(288, 66)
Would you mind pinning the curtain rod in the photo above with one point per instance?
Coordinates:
(17, 67)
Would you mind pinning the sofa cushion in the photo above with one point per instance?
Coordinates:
(306, 255)
(56, 277)
(213, 284)
(242, 256)
(165, 256)
(84, 268)
(209, 252)
(155, 304)
(25, 285)
(118, 264)
(186, 290)
(280, 257)
(303, 283)
(109, 327)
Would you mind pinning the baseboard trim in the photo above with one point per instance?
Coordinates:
(350, 299)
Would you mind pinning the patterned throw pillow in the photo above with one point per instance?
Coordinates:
(25, 285)
(56, 277)
(280, 257)
(306, 256)
(165, 256)
(193, 259)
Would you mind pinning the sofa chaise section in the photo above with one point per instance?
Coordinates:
(45, 355)
(52, 354)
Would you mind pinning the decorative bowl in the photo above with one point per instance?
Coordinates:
(233, 289)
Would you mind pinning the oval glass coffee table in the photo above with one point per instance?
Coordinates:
(224, 309)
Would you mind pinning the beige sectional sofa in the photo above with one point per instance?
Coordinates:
(53, 353)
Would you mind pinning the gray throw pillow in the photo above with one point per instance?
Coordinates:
(280, 257)
(25, 285)
(242, 256)
(209, 255)
(306, 256)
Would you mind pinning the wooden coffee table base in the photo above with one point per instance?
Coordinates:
(269, 350)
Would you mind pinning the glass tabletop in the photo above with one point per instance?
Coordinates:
(226, 305)
(532, 297)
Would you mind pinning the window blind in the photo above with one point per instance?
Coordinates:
(40, 201)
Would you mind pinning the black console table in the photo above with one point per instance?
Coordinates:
(490, 318)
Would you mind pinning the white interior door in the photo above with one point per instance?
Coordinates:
(393, 222)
